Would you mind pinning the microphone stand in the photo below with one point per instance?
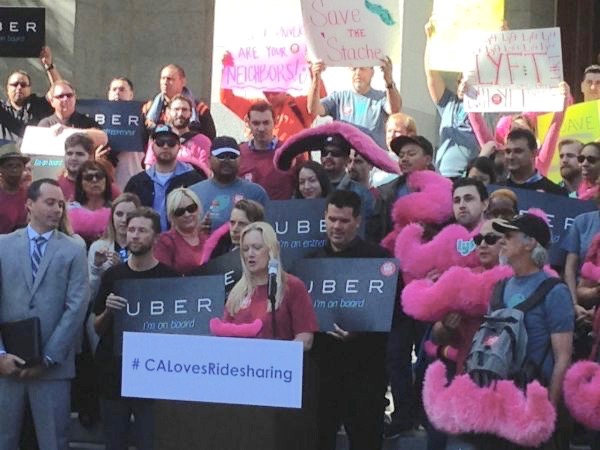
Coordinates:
(273, 320)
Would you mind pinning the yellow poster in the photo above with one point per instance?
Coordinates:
(582, 122)
(454, 21)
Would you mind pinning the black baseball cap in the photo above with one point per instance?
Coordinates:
(397, 143)
(164, 130)
(224, 144)
(528, 224)
(336, 140)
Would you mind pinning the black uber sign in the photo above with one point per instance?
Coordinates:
(22, 31)
(168, 305)
(121, 121)
(358, 294)
(561, 212)
(228, 266)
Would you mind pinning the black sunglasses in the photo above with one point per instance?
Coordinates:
(99, 176)
(224, 156)
(333, 153)
(19, 83)
(590, 159)
(189, 208)
(65, 95)
(166, 142)
(490, 239)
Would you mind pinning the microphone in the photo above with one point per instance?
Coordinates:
(273, 268)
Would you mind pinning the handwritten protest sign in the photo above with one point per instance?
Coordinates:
(516, 70)
(351, 33)
(452, 20)
(22, 31)
(581, 122)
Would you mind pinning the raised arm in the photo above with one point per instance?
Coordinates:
(48, 64)
(435, 82)
(238, 105)
(480, 128)
(394, 100)
(314, 104)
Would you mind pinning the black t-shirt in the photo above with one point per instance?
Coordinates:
(541, 185)
(77, 120)
(109, 366)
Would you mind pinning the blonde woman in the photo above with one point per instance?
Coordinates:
(248, 300)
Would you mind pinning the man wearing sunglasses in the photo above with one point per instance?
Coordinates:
(23, 108)
(521, 150)
(153, 185)
(63, 98)
(221, 192)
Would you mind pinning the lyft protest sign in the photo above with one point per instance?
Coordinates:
(168, 305)
(299, 226)
(121, 121)
(516, 70)
(357, 294)
(581, 122)
(351, 33)
(212, 369)
(452, 21)
(561, 212)
(22, 31)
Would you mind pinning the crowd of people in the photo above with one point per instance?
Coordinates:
(192, 195)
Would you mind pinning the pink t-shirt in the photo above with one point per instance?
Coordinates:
(295, 314)
(12, 210)
(173, 250)
(88, 224)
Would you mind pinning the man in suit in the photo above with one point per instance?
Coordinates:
(43, 273)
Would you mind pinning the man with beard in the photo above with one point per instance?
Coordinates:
(153, 185)
(359, 170)
(143, 229)
(221, 192)
(23, 108)
(469, 202)
(570, 172)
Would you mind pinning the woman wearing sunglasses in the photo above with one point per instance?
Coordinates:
(589, 163)
(89, 214)
(180, 248)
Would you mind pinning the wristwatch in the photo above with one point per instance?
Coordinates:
(48, 66)
(390, 85)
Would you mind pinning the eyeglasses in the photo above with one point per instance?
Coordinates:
(166, 142)
(333, 153)
(94, 176)
(590, 159)
(65, 95)
(224, 156)
(189, 208)
(19, 83)
(490, 239)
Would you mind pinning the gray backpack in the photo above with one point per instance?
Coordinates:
(499, 347)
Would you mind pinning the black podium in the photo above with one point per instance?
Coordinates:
(211, 426)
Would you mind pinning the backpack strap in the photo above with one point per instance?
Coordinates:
(538, 295)
(497, 300)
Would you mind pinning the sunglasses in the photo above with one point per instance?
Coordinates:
(189, 208)
(333, 153)
(590, 159)
(490, 239)
(19, 83)
(65, 95)
(224, 156)
(94, 176)
(166, 142)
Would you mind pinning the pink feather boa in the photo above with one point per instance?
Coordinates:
(504, 410)
(582, 393)
(227, 329)
(590, 271)
(311, 139)
(453, 246)
(213, 240)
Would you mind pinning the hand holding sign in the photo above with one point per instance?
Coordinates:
(339, 333)
(115, 302)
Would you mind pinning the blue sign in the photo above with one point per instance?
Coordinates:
(561, 212)
(168, 305)
(22, 31)
(121, 121)
(357, 294)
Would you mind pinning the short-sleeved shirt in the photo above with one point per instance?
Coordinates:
(458, 144)
(295, 315)
(580, 235)
(553, 315)
(34, 109)
(109, 366)
(12, 214)
(218, 200)
(367, 111)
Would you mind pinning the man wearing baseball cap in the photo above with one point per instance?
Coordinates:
(153, 185)
(550, 323)
(12, 196)
(219, 193)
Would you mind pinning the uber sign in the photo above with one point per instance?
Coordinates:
(22, 31)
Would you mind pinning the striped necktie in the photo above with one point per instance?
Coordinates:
(36, 257)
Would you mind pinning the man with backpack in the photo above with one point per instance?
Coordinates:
(546, 306)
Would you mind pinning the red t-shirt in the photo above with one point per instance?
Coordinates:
(257, 166)
(12, 210)
(68, 188)
(295, 314)
(173, 251)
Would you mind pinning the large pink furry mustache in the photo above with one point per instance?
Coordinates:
(582, 393)
(525, 418)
